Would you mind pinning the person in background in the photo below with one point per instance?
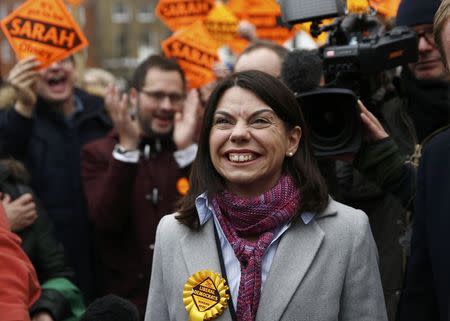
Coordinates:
(427, 288)
(19, 285)
(45, 129)
(96, 81)
(8, 94)
(60, 299)
(111, 308)
(258, 211)
(135, 175)
(262, 55)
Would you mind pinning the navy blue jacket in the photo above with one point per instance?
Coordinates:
(426, 295)
(50, 147)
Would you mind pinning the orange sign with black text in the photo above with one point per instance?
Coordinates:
(196, 52)
(265, 15)
(177, 14)
(44, 29)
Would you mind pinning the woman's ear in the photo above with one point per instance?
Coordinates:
(294, 137)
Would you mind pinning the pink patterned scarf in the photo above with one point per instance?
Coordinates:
(257, 217)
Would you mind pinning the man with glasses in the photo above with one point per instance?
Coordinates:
(135, 175)
(45, 128)
(426, 82)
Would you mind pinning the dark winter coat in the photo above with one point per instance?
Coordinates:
(126, 202)
(427, 291)
(50, 147)
(44, 251)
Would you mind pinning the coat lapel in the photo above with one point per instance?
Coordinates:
(200, 253)
(200, 250)
(295, 254)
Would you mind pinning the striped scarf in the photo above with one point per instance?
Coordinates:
(257, 218)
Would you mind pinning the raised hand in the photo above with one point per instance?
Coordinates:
(373, 129)
(126, 125)
(21, 212)
(185, 121)
(23, 77)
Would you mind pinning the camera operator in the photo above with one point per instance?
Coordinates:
(302, 72)
(383, 184)
(421, 109)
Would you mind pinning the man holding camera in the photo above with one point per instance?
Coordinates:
(418, 113)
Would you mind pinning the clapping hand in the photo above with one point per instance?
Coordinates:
(126, 125)
(185, 123)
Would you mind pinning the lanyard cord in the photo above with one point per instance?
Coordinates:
(224, 274)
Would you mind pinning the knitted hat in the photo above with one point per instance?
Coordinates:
(416, 12)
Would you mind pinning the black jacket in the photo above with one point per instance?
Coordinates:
(50, 147)
(44, 251)
(427, 292)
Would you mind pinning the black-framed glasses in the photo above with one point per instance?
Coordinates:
(427, 34)
(159, 96)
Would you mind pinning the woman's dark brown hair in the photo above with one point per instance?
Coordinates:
(302, 166)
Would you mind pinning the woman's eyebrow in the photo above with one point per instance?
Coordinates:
(264, 110)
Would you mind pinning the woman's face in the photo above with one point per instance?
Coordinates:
(248, 143)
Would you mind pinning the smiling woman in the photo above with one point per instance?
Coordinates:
(249, 143)
(258, 212)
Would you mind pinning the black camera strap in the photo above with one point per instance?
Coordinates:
(224, 274)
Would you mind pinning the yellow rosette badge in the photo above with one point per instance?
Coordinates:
(205, 296)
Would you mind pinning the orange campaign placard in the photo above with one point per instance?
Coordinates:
(196, 52)
(265, 15)
(387, 8)
(44, 29)
(177, 14)
(358, 6)
(221, 23)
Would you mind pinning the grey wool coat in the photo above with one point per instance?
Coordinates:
(324, 271)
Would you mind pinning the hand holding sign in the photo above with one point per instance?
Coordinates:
(44, 29)
(23, 77)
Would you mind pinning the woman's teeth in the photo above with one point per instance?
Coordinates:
(240, 157)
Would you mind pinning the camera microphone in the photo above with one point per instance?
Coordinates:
(302, 70)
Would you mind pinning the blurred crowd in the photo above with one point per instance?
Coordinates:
(86, 174)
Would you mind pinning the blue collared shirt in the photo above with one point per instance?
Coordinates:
(232, 265)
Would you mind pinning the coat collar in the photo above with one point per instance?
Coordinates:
(200, 253)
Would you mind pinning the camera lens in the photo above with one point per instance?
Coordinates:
(333, 120)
